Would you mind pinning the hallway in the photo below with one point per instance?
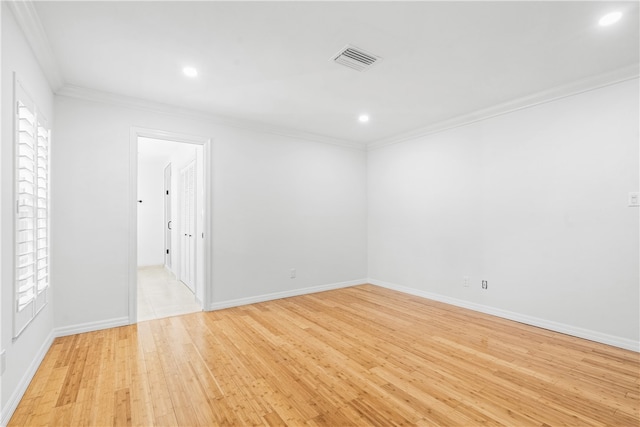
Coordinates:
(161, 295)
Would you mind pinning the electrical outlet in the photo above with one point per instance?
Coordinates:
(292, 273)
(634, 199)
(465, 281)
(485, 284)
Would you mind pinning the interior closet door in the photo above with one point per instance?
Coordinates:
(168, 251)
(188, 225)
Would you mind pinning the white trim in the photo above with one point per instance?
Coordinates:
(284, 294)
(77, 92)
(23, 384)
(29, 22)
(563, 328)
(170, 136)
(21, 387)
(206, 143)
(91, 326)
(14, 400)
(542, 97)
(133, 228)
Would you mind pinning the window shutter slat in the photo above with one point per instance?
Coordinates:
(32, 141)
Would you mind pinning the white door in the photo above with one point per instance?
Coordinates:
(167, 217)
(188, 226)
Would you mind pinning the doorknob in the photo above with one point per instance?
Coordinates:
(169, 225)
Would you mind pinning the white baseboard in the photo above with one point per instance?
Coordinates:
(170, 271)
(522, 318)
(91, 326)
(285, 294)
(21, 388)
(14, 399)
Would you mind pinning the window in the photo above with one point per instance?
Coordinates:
(32, 138)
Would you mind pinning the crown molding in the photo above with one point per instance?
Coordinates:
(549, 95)
(93, 95)
(29, 22)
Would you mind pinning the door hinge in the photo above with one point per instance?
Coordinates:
(167, 251)
(167, 192)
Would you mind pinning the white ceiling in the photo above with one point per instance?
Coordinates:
(268, 62)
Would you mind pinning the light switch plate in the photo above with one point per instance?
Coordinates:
(634, 198)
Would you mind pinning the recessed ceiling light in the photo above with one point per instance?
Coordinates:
(610, 18)
(363, 118)
(190, 71)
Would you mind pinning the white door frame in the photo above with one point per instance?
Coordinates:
(206, 143)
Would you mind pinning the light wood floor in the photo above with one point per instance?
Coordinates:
(357, 356)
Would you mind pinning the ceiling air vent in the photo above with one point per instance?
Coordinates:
(355, 58)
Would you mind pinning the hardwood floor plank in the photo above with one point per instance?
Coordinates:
(355, 356)
(273, 419)
(122, 408)
(71, 386)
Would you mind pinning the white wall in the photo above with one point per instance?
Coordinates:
(277, 203)
(151, 211)
(281, 204)
(25, 353)
(534, 201)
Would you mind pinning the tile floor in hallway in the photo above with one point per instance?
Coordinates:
(160, 294)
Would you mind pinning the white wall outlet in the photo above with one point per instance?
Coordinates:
(3, 361)
(465, 281)
(634, 198)
(485, 284)
(292, 273)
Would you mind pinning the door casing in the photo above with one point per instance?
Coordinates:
(206, 143)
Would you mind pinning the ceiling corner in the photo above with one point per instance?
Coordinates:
(94, 95)
(27, 18)
(552, 94)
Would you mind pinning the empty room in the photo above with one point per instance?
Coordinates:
(320, 213)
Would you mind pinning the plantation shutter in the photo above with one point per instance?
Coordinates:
(32, 210)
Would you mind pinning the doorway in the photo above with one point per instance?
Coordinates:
(169, 269)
